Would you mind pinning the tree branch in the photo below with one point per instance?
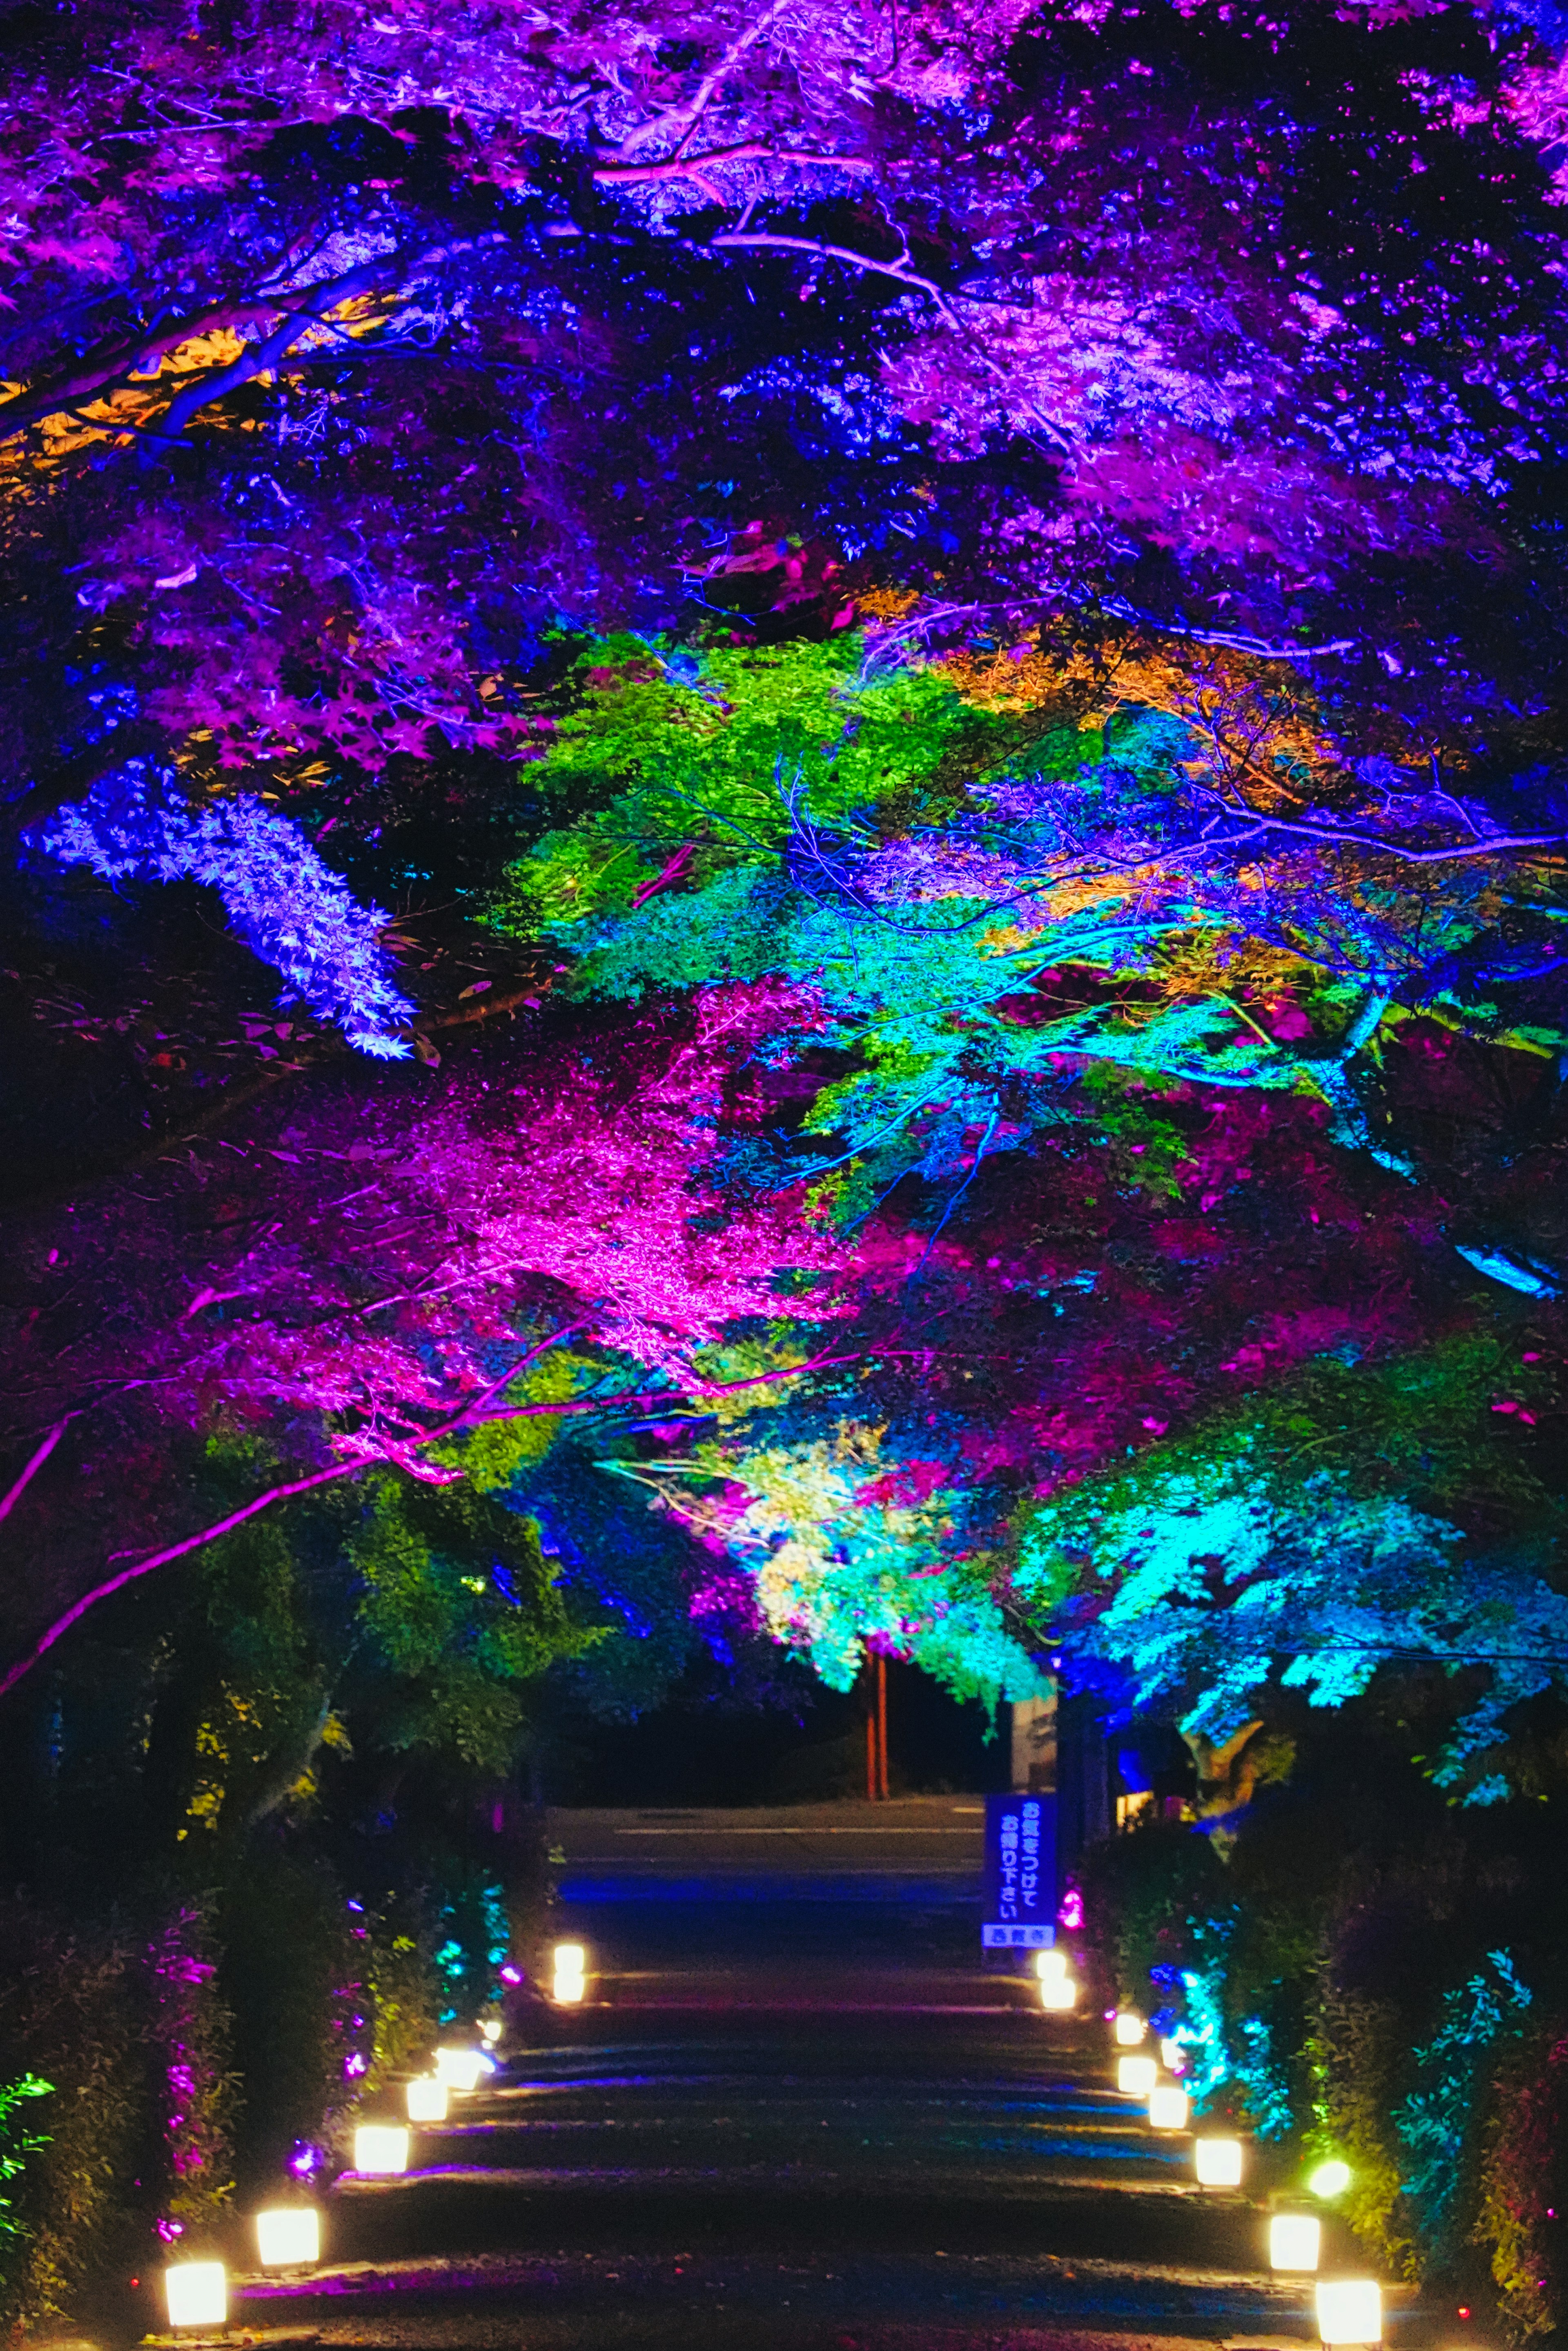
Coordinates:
(697, 168)
(897, 269)
(687, 118)
(33, 1465)
(114, 369)
(481, 1412)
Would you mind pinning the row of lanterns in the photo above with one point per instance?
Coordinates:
(288, 2236)
(1348, 2310)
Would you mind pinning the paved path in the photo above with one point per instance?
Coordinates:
(797, 2115)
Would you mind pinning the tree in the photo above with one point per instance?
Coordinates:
(1295, 1544)
(941, 635)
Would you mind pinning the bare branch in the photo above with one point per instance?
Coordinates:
(119, 366)
(62, 1625)
(697, 168)
(898, 268)
(479, 1413)
(687, 118)
(9, 1502)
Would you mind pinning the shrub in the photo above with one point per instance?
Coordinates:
(1356, 2052)
(1524, 2183)
(294, 1974)
(190, 2035)
(70, 2014)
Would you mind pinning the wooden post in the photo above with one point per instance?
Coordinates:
(882, 1727)
(870, 1750)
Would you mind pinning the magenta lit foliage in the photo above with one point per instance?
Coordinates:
(188, 2026)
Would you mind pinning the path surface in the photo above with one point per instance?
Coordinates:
(796, 2115)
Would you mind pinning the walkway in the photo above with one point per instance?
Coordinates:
(796, 2115)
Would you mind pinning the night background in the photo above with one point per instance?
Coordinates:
(783, 1034)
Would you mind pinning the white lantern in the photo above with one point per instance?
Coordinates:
(1329, 2179)
(1295, 2240)
(1218, 2162)
(1050, 1965)
(570, 1973)
(1350, 2310)
(1059, 1992)
(1129, 2029)
(491, 2030)
(1136, 2076)
(197, 2293)
(381, 2148)
(288, 2237)
(427, 2100)
(1167, 2108)
(459, 2069)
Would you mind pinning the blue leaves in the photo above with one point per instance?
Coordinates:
(289, 908)
(1435, 2121)
(1222, 1577)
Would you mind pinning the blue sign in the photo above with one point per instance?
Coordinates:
(1020, 1910)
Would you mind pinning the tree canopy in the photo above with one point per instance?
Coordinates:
(786, 788)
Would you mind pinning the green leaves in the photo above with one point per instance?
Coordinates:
(17, 2143)
(707, 749)
(462, 1613)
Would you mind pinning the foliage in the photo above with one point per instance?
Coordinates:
(941, 629)
(1521, 2203)
(1235, 1559)
(844, 1554)
(459, 1604)
(1362, 1972)
(1436, 2122)
(282, 900)
(1356, 2053)
(71, 2015)
(189, 2032)
(326, 1996)
(17, 2141)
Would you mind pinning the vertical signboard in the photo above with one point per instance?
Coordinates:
(1020, 1907)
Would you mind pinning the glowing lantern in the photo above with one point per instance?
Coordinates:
(1350, 2310)
(427, 2100)
(459, 2069)
(1173, 2056)
(1059, 1992)
(288, 2237)
(491, 2030)
(570, 1962)
(1136, 2076)
(1129, 2029)
(1167, 2108)
(1218, 2162)
(1295, 2240)
(1050, 1965)
(197, 2293)
(1329, 2179)
(381, 2148)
